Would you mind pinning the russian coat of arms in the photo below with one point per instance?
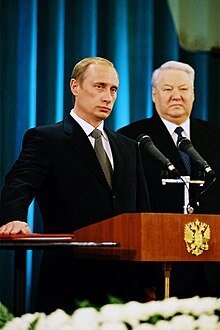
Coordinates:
(196, 235)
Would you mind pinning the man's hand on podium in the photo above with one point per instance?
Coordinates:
(15, 227)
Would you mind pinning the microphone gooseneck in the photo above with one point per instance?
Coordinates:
(145, 143)
(186, 146)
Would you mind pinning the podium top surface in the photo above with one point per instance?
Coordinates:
(42, 241)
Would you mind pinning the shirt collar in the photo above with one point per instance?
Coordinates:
(171, 127)
(86, 126)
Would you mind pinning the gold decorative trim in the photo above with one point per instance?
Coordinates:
(196, 235)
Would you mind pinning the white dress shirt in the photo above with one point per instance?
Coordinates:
(88, 130)
(171, 128)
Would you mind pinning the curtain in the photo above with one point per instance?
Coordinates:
(40, 42)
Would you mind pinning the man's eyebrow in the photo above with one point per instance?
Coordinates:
(104, 83)
(100, 82)
(166, 84)
(170, 85)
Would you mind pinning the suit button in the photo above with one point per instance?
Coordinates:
(114, 196)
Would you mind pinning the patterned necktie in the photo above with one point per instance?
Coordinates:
(102, 156)
(184, 156)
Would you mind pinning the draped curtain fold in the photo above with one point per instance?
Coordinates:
(41, 40)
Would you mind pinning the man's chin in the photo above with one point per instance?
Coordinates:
(104, 115)
(177, 113)
(178, 120)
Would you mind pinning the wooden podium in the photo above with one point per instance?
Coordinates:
(155, 237)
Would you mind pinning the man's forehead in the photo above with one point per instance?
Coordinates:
(170, 77)
(97, 67)
(173, 75)
(102, 73)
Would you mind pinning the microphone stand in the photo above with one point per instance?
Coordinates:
(187, 209)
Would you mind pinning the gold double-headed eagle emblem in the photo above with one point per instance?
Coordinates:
(196, 235)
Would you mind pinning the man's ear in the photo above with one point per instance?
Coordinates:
(74, 86)
(153, 93)
(193, 94)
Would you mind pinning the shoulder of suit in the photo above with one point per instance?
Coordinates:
(118, 136)
(138, 123)
(133, 130)
(45, 130)
(204, 124)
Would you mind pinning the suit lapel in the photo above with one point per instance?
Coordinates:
(78, 140)
(198, 134)
(118, 151)
(164, 142)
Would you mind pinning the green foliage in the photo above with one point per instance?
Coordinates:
(5, 315)
(83, 303)
(153, 319)
(114, 300)
(33, 324)
(87, 303)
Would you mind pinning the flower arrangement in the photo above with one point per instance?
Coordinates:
(176, 314)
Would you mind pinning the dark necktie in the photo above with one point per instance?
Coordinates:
(102, 156)
(184, 156)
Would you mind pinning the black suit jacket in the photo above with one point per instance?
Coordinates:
(169, 198)
(188, 279)
(59, 167)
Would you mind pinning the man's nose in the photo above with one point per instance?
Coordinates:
(176, 95)
(106, 96)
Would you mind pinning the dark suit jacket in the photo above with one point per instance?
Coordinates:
(169, 198)
(58, 165)
(188, 279)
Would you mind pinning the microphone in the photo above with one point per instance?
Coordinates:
(186, 146)
(145, 142)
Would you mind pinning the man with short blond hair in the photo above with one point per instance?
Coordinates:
(59, 165)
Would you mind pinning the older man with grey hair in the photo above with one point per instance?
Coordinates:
(173, 97)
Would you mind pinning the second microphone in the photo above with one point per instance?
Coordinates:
(145, 143)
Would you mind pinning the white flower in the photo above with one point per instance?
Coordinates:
(168, 307)
(144, 326)
(85, 318)
(135, 312)
(112, 312)
(211, 320)
(23, 322)
(55, 321)
(183, 322)
(169, 314)
(164, 325)
(197, 305)
(111, 326)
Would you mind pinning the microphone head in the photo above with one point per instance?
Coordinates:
(145, 142)
(184, 144)
(144, 139)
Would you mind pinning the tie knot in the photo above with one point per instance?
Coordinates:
(96, 133)
(179, 131)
